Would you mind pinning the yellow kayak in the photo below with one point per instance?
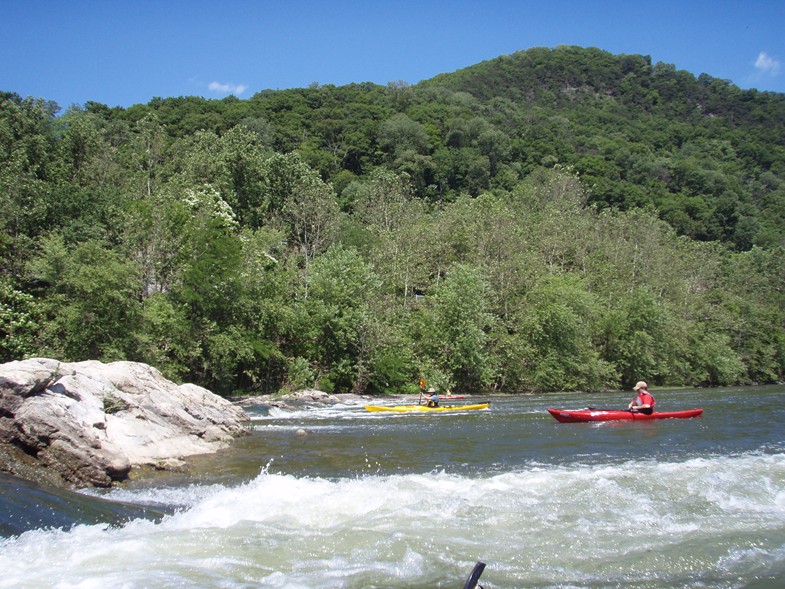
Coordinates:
(425, 408)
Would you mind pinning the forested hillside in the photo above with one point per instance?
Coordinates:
(553, 219)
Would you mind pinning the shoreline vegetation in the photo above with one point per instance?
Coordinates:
(553, 219)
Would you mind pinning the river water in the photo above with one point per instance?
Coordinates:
(339, 497)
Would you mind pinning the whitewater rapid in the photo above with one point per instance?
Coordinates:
(714, 521)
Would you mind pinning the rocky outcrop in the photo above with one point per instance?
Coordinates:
(89, 423)
(313, 398)
(296, 400)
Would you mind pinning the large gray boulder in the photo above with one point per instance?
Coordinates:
(89, 423)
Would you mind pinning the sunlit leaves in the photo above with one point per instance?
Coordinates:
(92, 300)
(18, 322)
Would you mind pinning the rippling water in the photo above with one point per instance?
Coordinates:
(339, 497)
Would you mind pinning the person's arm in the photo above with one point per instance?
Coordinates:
(642, 405)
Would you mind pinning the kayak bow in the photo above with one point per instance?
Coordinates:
(583, 415)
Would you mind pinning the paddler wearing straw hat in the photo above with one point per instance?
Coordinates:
(434, 399)
(643, 401)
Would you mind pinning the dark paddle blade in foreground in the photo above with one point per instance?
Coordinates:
(474, 578)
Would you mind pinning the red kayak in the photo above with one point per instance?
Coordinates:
(589, 414)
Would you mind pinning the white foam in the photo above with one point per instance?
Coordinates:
(663, 525)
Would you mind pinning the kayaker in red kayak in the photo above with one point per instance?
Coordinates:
(643, 401)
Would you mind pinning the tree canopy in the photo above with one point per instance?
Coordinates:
(551, 219)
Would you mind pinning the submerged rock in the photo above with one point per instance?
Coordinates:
(89, 423)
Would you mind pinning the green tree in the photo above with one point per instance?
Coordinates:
(453, 328)
(637, 338)
(18, 322)
(210, 255)
(337, 315)
(399, 134)
(311, 217)
(92, 306)
(148, 154)
(27, 166)
(557, 329)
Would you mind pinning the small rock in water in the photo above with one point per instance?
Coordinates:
(302, 432)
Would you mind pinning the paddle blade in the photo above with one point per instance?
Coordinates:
(471, 582)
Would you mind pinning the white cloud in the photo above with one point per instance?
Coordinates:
(221, 88)
(766, 64)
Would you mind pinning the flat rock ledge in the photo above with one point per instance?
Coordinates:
(89, 423)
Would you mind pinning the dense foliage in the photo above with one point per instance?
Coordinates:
(552, 219)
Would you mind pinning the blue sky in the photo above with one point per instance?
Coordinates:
(125, 52)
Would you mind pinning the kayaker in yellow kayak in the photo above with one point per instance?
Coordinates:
(433, 401)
